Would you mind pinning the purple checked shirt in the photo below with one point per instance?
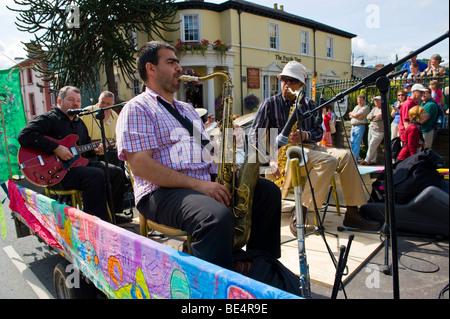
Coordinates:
(145, 124)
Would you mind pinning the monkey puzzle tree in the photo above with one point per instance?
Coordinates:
(77, 39)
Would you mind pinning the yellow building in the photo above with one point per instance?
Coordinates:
(261, 41)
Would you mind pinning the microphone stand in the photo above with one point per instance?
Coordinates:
(299, 103)
(100, 115)
(382, 82)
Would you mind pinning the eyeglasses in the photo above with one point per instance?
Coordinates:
(287, 79)
(401, 95)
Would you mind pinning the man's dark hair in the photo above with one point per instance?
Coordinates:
(149, 53)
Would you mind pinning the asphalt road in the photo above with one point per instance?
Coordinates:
(26, 265)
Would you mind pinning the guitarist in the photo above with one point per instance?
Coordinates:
(89, 179)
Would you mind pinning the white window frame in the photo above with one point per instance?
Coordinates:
(277, 36)
(183, 30)
(304, 42)
(330, 47)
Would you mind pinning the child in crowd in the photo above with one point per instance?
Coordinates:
(436, 93)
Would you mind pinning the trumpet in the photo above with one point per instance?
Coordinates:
(296, 160)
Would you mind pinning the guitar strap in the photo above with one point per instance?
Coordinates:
(193, 131)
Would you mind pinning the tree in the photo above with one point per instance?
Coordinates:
(77, 39)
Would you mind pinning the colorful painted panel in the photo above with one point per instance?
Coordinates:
(12, 119)
(125, 265)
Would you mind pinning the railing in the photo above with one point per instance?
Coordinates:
(333, 88)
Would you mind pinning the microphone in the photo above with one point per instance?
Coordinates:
(283, 137)
(74, 111)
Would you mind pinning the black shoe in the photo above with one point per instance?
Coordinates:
(354, 219)
(123, 219)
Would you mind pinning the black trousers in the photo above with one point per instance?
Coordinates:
(212, 224)
(91, 180)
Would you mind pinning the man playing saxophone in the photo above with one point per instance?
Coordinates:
(322, 161)
(173, 187)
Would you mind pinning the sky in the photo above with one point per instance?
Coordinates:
(384, 28)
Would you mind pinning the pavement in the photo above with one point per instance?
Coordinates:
(423, 268)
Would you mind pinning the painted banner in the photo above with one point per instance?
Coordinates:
(123, 264)
(12, 120)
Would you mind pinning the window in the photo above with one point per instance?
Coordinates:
(191, 28)
(32, 104)
(330, 48)
(305, 43)
(30, 76)
(271, 86)
(137, 87)
(274, 34)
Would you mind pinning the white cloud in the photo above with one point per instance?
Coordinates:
(9, 51)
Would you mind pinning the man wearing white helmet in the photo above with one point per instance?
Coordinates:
(322, 161)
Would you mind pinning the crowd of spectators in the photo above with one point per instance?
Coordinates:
(414, 114)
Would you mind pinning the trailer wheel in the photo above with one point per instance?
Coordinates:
(64, 287)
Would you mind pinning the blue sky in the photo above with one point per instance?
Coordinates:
(383, 28)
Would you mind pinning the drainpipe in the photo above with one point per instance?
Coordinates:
(240, 61)
(314, 36)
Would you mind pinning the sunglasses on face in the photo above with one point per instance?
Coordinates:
(291, 80)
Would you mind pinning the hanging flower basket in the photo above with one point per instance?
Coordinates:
(251, 101)
(218, 45)
(193, 86)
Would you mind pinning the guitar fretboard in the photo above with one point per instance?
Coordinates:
(91, 146)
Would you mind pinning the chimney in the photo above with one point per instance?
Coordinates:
(275, 6)
(282, 7)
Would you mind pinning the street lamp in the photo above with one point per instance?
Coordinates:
(355, 59)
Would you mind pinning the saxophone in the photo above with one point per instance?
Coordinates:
(240, 180)
(284, 181)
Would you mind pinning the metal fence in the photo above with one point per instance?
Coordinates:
(333, 88)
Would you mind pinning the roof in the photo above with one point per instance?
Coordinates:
(263, 11)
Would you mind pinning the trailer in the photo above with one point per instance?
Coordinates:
(119, 262)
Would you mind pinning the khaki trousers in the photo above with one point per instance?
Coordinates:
(322, 163)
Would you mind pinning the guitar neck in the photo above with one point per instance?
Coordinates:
(89, 147)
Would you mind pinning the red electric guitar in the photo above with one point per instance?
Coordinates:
(47, 170)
